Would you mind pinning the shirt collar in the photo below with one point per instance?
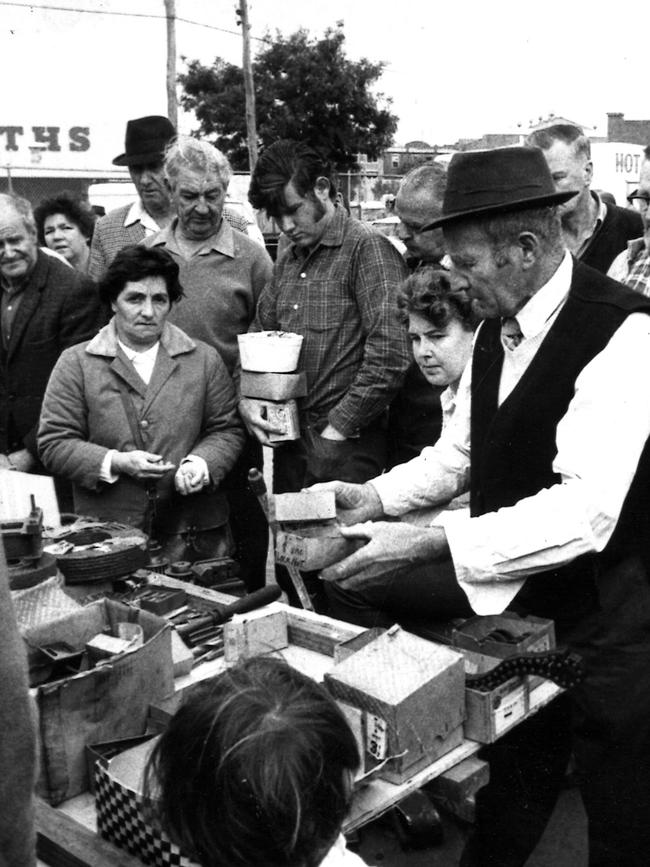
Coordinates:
(636, 248)
(333, 235)
(137, 214)
(132, 354)
(534, 315)
(223, 242)
(602, 210)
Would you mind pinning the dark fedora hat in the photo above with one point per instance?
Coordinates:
(145, 140)
(495, 181)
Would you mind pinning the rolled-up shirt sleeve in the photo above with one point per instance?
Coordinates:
(440, 472)
(599, 443)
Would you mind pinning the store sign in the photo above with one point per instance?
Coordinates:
(40, 149)
(46, 138)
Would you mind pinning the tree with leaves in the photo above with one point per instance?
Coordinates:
(306, 89)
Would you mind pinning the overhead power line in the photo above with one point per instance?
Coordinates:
(32, 6)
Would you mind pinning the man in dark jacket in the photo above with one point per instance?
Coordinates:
(46, 306)
(593, 231)
(550, 437)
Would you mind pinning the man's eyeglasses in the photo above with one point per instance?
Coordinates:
(639, 202)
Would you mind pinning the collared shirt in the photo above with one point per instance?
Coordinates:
(599, 442)
(143, 362)
(341, 297)
(221, 282)
(600, 219)
(9, 305)
(632, 266)
(137, 214)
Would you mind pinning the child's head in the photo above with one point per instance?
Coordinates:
(440, 322)
(254, 768)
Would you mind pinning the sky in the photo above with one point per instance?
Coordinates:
(454, 69)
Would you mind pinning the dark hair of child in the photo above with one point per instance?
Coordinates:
(255, 768)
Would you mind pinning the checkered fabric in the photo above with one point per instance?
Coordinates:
(120, 820)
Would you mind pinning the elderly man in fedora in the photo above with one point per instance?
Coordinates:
(145, 143)
(550, 438)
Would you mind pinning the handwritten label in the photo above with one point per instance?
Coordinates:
(290, 550)
(376, 736)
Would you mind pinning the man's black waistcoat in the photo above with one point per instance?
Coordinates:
(513, 446)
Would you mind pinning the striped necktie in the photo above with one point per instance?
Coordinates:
(511, 332)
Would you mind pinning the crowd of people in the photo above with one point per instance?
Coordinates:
(484, 393)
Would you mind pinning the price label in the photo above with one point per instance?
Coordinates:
(376, 736)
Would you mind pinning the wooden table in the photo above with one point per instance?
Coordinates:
(67, 834)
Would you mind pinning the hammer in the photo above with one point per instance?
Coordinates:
(258, 487)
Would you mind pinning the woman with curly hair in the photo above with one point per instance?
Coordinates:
(65, 224)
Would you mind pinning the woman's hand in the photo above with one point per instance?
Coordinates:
(140, 465)
(191, 476)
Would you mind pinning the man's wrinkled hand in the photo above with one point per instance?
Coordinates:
(390, 546)
(140, 464)
(250, 411)
(354, 503)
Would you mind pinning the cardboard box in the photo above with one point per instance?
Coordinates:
(313, 547)
(529, 634)
(246, 635)
(121, 817)
(493, 713)
(411, 693)
(273, 386)
(284, 415)
(303, 506)
(101, 704)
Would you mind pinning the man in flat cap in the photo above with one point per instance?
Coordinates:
(550, 438)
(144, 149)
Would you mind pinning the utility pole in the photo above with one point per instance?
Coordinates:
(249, 89)
(172, 103)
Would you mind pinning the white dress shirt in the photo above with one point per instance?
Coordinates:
(599, 442)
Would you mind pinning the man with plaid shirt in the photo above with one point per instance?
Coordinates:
(632, 266)
(335, 284)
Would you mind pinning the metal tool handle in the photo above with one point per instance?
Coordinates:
(247, 603)
(258, 487)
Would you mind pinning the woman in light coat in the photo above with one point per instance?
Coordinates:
(142, 419)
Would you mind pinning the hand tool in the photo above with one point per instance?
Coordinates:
(247, 603)
(258, 487)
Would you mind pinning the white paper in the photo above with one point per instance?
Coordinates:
(15, 492)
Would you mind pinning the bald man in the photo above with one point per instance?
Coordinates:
(45, 307)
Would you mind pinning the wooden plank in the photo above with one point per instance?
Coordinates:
(379, 795)
(61, 841)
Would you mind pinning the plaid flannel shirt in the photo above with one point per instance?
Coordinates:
(341, 297)
(632, 267)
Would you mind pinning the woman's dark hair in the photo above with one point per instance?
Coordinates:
(428, 292)
(254, 768)
(72, 208)
(135, 263)
(285, 161)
